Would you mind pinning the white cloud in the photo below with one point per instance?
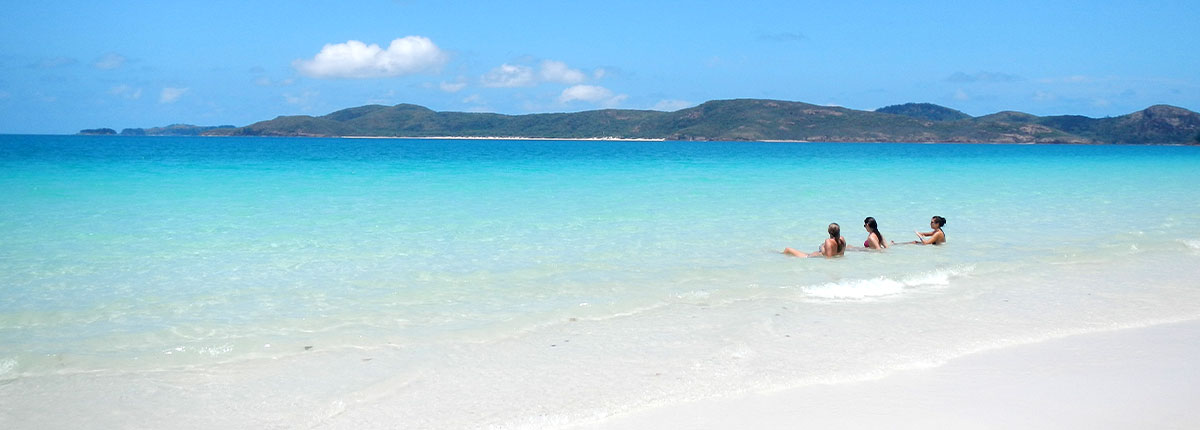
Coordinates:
(548, 71)
(110, 61)
(509, 76)
(452, 87)
(354, 59)
(557, 71)
(592, 94)
(126, 91)
(961, 95)
(672, 105)
(171, 95)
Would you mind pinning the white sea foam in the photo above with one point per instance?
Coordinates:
(867, 289)
(8, 368)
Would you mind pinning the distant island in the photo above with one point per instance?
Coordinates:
(732, 120)
(170, 130)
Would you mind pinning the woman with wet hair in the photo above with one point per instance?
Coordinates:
(874, 237)
(835, 246)
(935, 237)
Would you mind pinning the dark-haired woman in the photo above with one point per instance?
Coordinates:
(835, 246)
(874, 237)
(935, 237)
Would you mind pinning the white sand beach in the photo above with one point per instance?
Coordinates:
(1127, 379)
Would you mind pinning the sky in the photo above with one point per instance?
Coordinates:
(69, 65)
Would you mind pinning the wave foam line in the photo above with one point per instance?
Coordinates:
(859, 289)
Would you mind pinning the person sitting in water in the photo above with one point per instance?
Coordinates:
(874, 237)
(935, 237)
(835, 246)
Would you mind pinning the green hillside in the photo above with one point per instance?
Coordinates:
(746, 120)
(926, 111)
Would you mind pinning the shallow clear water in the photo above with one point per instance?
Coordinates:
(552, 282)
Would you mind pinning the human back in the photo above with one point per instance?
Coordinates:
(835, 246)
(874, 237)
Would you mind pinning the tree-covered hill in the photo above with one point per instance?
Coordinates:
(746, 120)
(927, 111)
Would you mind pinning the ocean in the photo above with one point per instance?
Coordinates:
(151, 282)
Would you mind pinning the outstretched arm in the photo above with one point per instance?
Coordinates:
(935, 237)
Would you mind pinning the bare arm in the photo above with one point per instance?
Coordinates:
(935, 237)
(828, 249)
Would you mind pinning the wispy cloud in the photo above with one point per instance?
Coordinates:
(557, 71)
(1044, 96)
(126, 91)
(509, 76)
(961, 77)
(548, 71)
(452, 87)
(171, 94)
(110, 61)
(591, 94)
(355, 59)
(305, 100)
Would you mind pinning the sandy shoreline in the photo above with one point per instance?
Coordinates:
(1132, 378)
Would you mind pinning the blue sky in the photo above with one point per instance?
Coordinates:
(70, 65)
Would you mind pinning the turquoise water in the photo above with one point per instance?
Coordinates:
(451, 268)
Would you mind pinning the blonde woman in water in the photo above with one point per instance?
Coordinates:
(835, 246)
